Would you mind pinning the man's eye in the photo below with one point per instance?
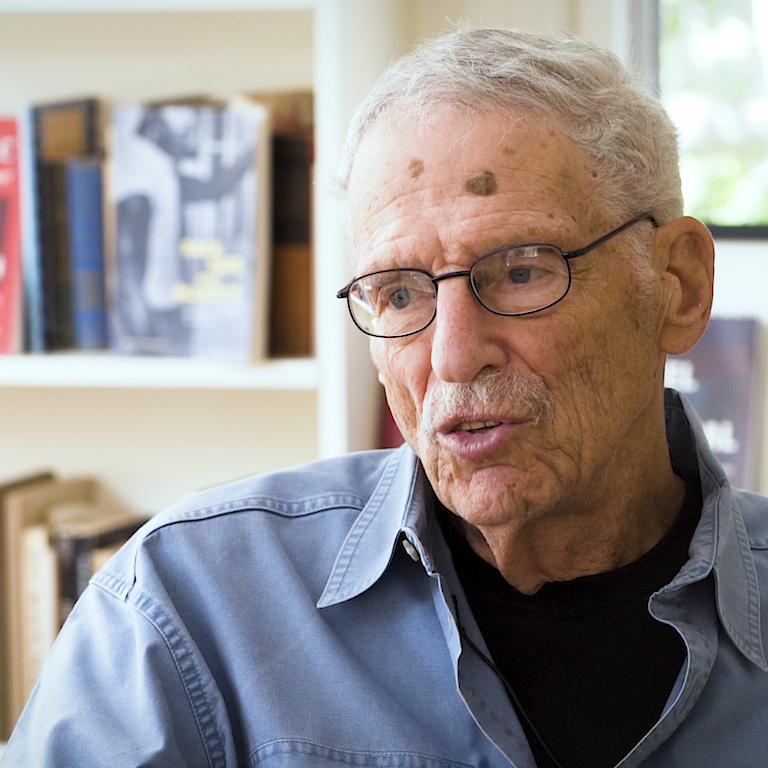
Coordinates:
(520, 275)
(400, 298)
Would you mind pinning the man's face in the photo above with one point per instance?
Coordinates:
(514, 418)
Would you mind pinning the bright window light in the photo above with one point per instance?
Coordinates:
(714, 82)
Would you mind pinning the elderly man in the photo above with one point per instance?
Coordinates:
(554, 571)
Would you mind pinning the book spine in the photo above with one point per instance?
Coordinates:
(39, 604)
(60, 131)
(85, 231)
(48, 183)
(290, 326)
(79, 557)
(34, 335)
(10, 239)
(57, 282)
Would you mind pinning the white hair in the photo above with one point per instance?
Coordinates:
(583, 89)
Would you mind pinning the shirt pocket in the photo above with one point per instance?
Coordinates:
(295, 753)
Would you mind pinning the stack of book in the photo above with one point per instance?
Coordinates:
(54, 534)
(178, 228)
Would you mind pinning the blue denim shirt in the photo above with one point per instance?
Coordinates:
(280, 621)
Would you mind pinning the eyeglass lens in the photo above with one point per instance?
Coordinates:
(511, 281)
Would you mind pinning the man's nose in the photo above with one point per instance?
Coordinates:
(466, 337)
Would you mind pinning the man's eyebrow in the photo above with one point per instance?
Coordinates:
(482, 184)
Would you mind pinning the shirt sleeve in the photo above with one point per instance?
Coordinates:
(119, 690)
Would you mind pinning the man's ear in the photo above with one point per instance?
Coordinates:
(686, 253)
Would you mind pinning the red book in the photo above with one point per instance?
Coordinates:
(10, 239)
(389, 434)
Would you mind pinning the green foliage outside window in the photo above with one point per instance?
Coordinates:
(714, 82)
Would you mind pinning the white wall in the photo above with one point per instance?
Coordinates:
(137, 56)
(741, 290)
(741, 279)
(155, 446)
(588, 18)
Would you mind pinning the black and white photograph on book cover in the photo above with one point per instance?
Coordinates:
(190, 230)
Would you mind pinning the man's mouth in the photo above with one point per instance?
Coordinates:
(476, 427)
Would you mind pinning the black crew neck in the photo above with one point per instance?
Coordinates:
(643, 576)
(589, 665)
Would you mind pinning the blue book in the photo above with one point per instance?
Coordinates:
(85, 224)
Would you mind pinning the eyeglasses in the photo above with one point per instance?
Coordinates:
(516, 280)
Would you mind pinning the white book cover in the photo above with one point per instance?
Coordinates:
(189, 198)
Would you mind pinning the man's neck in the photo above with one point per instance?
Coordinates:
(582, 540)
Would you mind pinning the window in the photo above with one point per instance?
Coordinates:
(713, 80)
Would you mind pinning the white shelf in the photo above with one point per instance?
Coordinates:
(125, 6)
(338, 47)
(111, 371)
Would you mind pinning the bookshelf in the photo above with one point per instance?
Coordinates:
(73, 370)
(71, 412)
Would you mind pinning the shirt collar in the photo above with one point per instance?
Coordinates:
(397, 503)
(402, 497)
(721, 542)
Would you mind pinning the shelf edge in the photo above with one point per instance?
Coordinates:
(56, 371)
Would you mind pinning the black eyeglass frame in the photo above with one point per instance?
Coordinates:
(567, 255)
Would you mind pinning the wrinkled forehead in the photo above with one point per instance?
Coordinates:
(451, 160)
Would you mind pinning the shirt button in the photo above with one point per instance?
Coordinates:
(411, 550)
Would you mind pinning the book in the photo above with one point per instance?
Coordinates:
(10, 239)
(58, 131)
(291, 300)
(8, 550)
(34, 607)
(721, 378)
(38, 606)
(389, 433)
(187, 263)
(84, 535)
(85, 245)
(290, 324)
(32, 281)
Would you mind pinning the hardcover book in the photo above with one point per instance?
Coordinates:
(10, 239)
(38, 517)
(58, 131)
(721, 378)
(8, 529)
(292, 120)
(189, 202)
(83, 534)
(85, 245)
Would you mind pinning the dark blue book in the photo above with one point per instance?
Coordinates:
(721, 378)
(85, 224)
(56, 132)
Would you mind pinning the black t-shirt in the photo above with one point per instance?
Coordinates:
(589, 666)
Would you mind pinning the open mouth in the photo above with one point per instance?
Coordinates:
(476, 427)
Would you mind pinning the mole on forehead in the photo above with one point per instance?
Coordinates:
(416, 167)
(482, 184)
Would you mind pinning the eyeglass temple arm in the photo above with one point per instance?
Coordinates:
(612, 233)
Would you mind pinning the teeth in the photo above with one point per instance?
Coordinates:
(477, 426)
